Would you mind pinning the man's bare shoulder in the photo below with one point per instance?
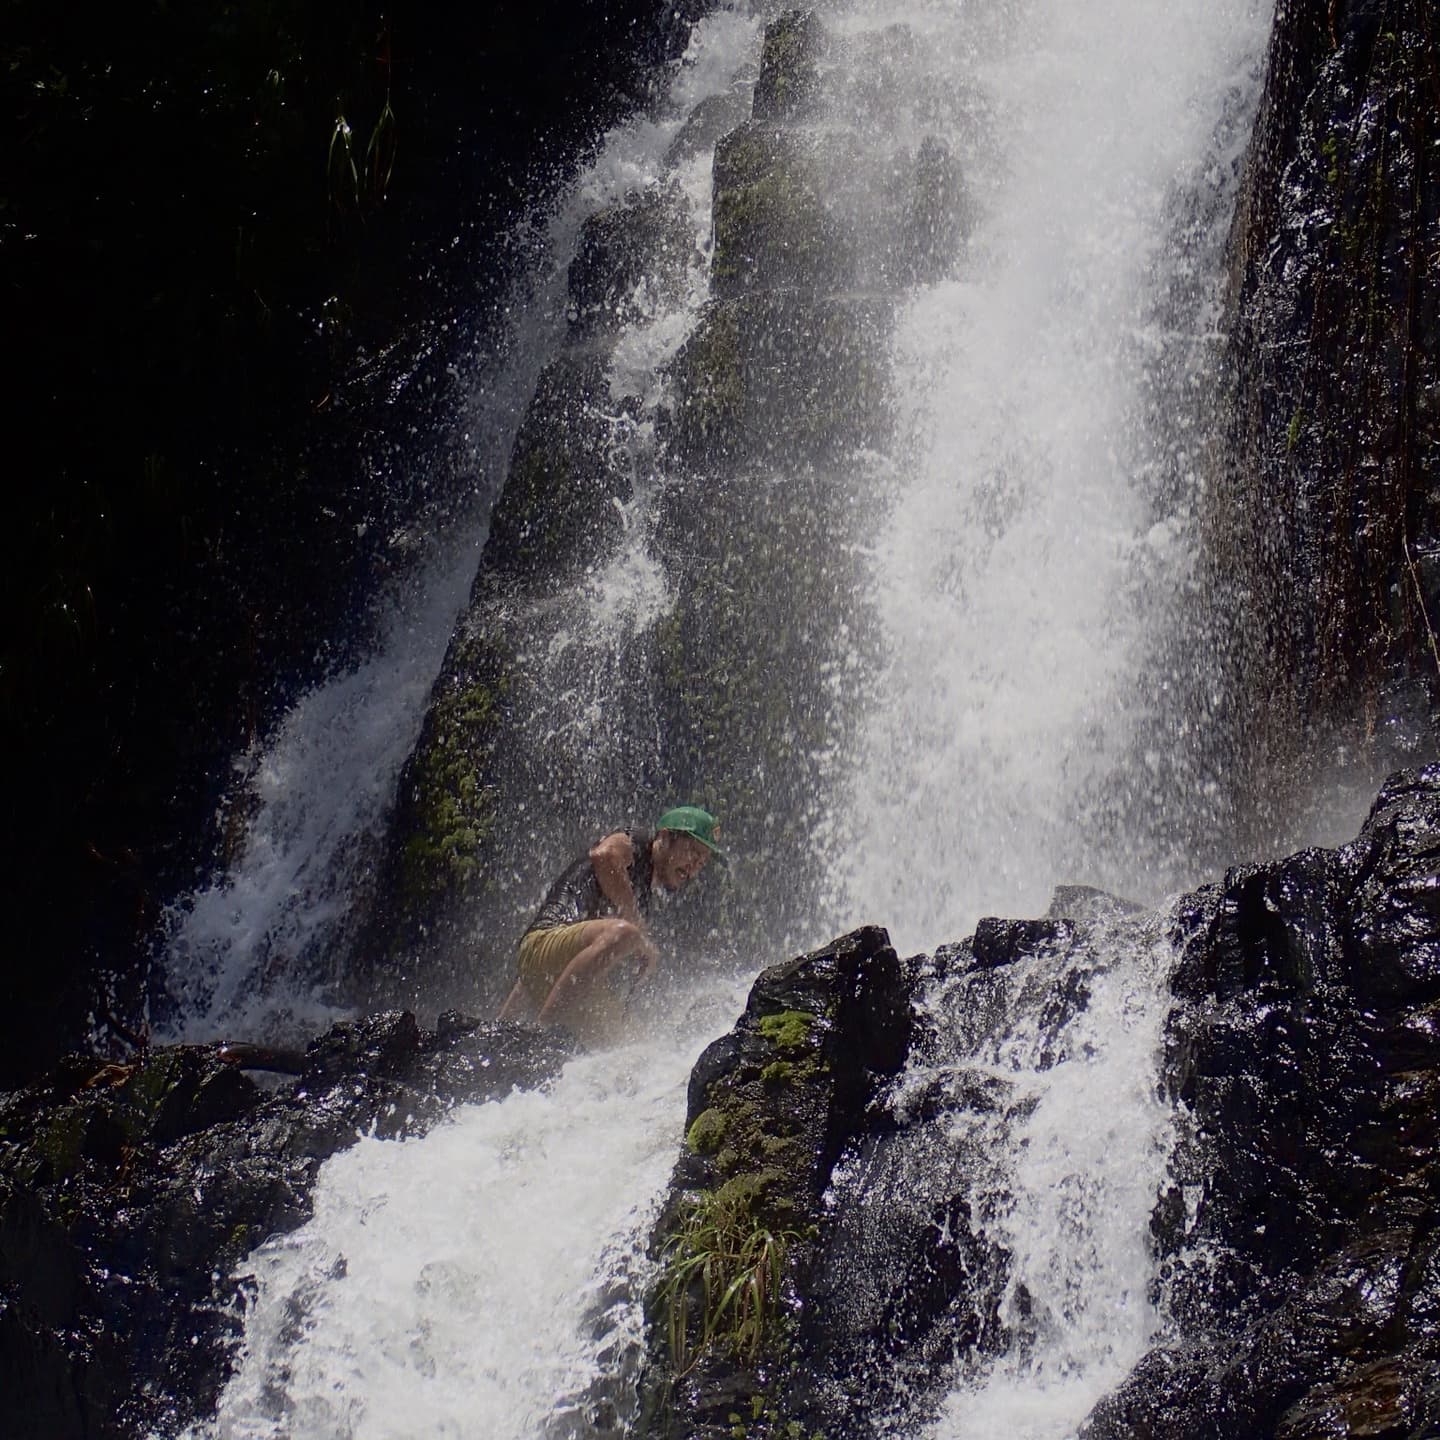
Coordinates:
(615, 846)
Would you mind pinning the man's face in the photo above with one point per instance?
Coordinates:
(679, 859)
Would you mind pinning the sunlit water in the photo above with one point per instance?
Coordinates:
(1030, 555)
(450, 1286)
(470, 1284)
(1073, 1187)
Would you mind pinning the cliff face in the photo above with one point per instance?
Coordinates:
(1324, 543)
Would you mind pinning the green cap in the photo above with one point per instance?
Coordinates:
(691, 820)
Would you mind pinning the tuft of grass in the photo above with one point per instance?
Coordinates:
(724, 1267)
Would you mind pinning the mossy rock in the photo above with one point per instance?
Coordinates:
(788, 1030)
(631, 261)
(783, 378)
(449, 798)
(558, 511)
(774, 226)
(790, 83)
(707, 1133)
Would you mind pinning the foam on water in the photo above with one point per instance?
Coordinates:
(1027, 562)
(470, 1285)
(1074, 1186)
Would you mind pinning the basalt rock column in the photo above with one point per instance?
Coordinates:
(1325, 526)
(1300, 1235)
(732, 485)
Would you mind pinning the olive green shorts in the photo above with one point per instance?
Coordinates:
(544, 956)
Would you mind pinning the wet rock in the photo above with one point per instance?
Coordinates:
(789, 87)
(938, 217)
(130, 1193)
(1299, 1263)
(713, 117)
(441, 924)
(772, 1107)
(778, 221)
(1002, 942)
(1323, 529)
(783, 378)
(630, 263)
(558, 510)
(1085, 902)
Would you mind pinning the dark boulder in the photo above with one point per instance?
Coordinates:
(1298, 1238)
(130, 1193)
(789, 87)
(772, 1107)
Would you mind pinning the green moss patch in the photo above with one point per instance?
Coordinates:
(790, 1030)
(451, 807)
(707, 1132)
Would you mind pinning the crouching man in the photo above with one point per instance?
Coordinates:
(594, 917)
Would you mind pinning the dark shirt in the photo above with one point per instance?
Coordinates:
(576, 894)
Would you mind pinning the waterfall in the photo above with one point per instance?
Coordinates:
(1076, 1159)
(1039, 534)
(474, 1282)
(1027, 583)
(256, 951)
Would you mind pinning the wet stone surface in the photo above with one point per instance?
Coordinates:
(130, 1193)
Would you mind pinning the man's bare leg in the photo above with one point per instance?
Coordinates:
(605, 943)
(514, 1003)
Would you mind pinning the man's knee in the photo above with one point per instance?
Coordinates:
(616, 936)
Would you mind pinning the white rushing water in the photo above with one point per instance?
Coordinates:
(1028, 563)
(1025, 569)
(1072, 1187)
(239, 953)
(462, 1284)
(471, 1284)
(449, 1286)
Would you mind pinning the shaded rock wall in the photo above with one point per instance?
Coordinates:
(1323, 533)
(240, 323)
(1299, 1239)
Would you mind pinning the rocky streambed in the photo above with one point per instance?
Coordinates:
(797, 1286)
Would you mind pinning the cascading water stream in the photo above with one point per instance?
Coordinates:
(473, 1283)
(253, 952)
(1030, 576)
(447, 1285)
(1077, 1162)
(1032, 553)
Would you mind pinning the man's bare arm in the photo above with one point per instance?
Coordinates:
(611, 858)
